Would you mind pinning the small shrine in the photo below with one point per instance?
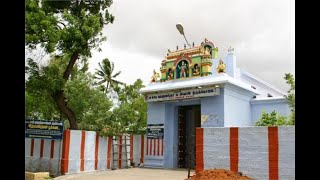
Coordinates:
(188, 62)
(197, 88)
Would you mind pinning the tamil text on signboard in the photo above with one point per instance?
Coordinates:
(155, 131)
(43, 129)
(183, 94)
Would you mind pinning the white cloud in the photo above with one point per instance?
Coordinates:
(261, 31)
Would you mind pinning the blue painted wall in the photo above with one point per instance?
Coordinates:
(257, 107)
(156, 115)
(233, 107)
(213, 106)
(237, 107)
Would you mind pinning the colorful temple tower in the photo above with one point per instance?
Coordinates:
(188, 62)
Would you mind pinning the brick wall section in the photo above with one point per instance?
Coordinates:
(259, 152)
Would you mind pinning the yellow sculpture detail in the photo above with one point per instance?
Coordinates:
(155, 76)
(221, 68)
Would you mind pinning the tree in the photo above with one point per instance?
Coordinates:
(72, 28)
(291, 96)
(89, 103)
(105, 75)
(272, 119)
(131, 114)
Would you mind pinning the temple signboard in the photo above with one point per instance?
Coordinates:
(183, 94)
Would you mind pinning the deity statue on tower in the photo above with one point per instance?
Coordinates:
(221, 68)
(155, 76)
(183, 70)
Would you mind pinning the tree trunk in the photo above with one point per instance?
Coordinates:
(60, 98)
(62, 105)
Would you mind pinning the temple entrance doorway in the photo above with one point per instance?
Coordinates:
(189, 117)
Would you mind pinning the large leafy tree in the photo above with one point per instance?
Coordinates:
(105, 75)
(89, 103)
(131, 113)
(71, 27)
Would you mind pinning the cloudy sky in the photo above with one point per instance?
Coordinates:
(261, 31)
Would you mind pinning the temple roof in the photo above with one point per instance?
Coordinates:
(195, 82)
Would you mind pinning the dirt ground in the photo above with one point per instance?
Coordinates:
(218, 174)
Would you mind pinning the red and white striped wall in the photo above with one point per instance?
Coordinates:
(259, 152)
(81, 151)
(138, 151)
(85, 151)
(42, 155)
(155, 147)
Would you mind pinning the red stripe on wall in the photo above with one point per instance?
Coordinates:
(120, 152)
(41, 147)
(150, 146)
(109, 152)
(65, 152)
(96, 153)
(83, 140)
(131, 147)
(142, 149)
(162, 147)
(158, 149)
(273, 153)
(31, 147)
(234, 149)
(154, 147)
(52, 149)
(147, 146)
(199, 150)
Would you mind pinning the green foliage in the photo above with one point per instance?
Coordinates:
(272, 119)
(67, 26)
(105, 76)
(131, 114)
(40, 85)
(89, 103)
(72, 28)
(291, 96)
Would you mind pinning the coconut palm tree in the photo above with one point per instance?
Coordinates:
(105, 75)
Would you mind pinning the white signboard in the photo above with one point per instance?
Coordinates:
(184, 94)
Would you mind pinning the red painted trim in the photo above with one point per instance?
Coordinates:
(31, 147)
(83, 140)
(158, 149)
(154, 147)
(147, 146)
(150, 146)
(234, 149)
(185, 57)
(41, 147)
(131, 147)
(52, 149)
(273, 153)
(109, 152)
(65, 152)
(96, 153)
(162, 148)
(120, 152)
(199, 150)
(142, 149)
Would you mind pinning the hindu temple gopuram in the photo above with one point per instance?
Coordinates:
(194, 87)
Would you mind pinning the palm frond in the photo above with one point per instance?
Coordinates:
(117, 74)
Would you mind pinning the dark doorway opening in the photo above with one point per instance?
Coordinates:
(189, 117)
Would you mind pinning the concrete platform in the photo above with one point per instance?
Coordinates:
(132, 174)
(36, 176)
